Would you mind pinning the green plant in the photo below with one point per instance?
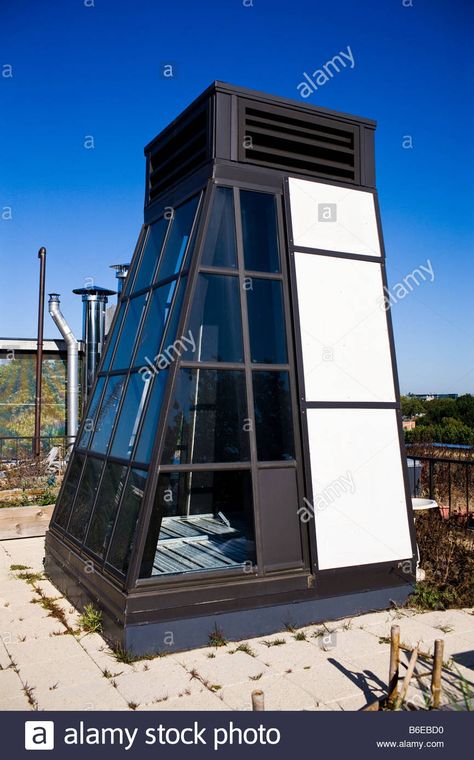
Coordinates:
(300, 636)
(13, 568)
(217, 638)
(30, 578)
(91, 619)
(428, 597)
(274, 642)
(246, 648)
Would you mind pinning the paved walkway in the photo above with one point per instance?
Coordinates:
(337, 666)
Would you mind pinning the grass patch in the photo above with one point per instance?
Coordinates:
(30, 578)
(274, 642)
(256, 677)
(14, 568)
(300, 636)
(244, 647)
(91, 619)
(217, 638)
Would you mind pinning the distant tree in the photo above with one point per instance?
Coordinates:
(439, 408)
(454, 431)
(465, 407)
(421, 434)
(411, 406)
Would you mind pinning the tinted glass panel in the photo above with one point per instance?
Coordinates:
(207, 418)
(266, 322)
(154, 325)
(176, 244)
(106, 416)
(89, 422)
(112, 339)
(273, 417)
(215, 321)
(134, 264)
(67, 496)
(172, 327)
(220, 247)
(259, 231)
(108, 499)
(151, 254)
(122, 539)
(85, 498)
(150, 424)
(201, 521)
(133, 316)
(130, 415)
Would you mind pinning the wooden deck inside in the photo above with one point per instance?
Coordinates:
(203, 542)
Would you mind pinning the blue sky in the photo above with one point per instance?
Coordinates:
(94, 68)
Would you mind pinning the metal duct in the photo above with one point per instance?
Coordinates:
(94, 299)
(121, 271)
(72, 387)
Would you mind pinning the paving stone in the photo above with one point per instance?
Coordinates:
(168, 680)
(10, 685)
(59, 673)
(458, 620)
(294, 654)
(5, 661)
(202, 700)
(330, 679)
(54, 649)
(97, 695)
(229, 668)
(279, 694)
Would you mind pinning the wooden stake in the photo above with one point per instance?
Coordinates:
(258, 700)
(394, 663)
(436, 677)
(407, 679)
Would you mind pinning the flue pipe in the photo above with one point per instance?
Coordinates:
(72, 387)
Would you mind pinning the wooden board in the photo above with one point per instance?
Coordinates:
(24, 522)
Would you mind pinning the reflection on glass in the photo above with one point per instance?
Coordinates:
(273, 417)
(206, 421)
(178, 238)
(126, 343)
(108, 499)
(200, 521)
(106, 416)
(215, 321)
(150, 424)
(259, 231)
(220, 247)
(122, 539)
(112, 339)
(151, 254)
(266, 322)
(85, 498)
(89, 422)
(67, 495)
(130, 415)
(154, 324)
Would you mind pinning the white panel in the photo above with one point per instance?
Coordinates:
(333, 218)
(358, 493)
(344, 333)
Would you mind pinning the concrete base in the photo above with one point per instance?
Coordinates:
(172, 636)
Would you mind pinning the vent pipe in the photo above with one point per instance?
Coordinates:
(94, 300)
(121, 271)
(72, 387)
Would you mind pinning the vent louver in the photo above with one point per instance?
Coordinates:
(300, 143)
(178, 153)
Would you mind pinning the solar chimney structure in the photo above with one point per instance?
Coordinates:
(240, 462)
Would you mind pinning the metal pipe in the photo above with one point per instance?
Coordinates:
(121, 271)
(72, 387)
(94, 300)
(39, 352)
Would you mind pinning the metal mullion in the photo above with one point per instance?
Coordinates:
(278, 463)
(152, 481)
(226, 271)
(285, 241)
(114, 527)
(254, 275)
(191, 364)
(270, 367)
(205, 466)
(248, 383)
(139, 248)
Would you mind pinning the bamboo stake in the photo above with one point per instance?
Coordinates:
(437, 668)
(258, 700)
(394, 663)
(407, 679)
